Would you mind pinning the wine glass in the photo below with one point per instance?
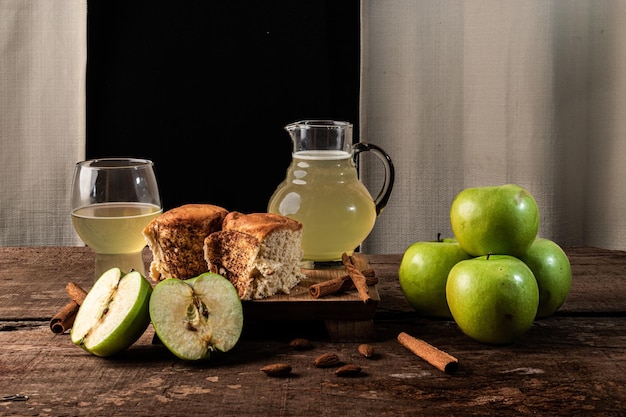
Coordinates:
(113, 200)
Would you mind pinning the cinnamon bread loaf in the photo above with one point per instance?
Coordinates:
(176, 239)
(260, 253)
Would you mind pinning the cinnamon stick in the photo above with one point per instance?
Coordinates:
(75, 292)
(438, 358)
(64, 318)
(357, 278)
(340, 284)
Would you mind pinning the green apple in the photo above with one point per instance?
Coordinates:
(114, 313)
(195, 317)
(423, 274)
(501, 219)
(553, 272)
(493, 298)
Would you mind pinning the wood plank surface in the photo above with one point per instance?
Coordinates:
(570, 364)
(569, 367)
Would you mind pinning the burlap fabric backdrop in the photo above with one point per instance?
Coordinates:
(483, 92)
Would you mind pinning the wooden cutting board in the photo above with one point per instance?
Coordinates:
(346, 316)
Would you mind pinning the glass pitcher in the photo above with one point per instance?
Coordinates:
(322, 189)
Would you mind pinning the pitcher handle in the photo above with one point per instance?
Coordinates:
(383, 196)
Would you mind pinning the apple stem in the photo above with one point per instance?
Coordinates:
(488, 255)
(439, 237)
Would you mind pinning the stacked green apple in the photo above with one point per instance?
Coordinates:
(193, 317)
(495, 277)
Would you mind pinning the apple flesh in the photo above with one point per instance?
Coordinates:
(493, 299)
(423, 273)
(114, 313)
(502, 220)
(198, 316)
(553, 272)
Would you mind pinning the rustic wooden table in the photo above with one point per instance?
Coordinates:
(571, 364)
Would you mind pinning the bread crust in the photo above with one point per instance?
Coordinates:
(176, 239)
(259, 225)
(191, 213)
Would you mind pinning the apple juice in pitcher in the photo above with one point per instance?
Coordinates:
(323, 192)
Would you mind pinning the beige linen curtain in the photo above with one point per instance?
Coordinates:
(42, 117)
(485, 92)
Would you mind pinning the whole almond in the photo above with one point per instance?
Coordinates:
(326, 360)
(366, 350)
(277, 369)
(301, 344)
(348, 370)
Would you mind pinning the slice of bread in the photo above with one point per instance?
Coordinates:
(176, 239)
(260, 253)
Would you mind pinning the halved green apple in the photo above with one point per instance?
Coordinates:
(195, 317)
(114, 313)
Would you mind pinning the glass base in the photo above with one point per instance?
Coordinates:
(125, 261)
(322, 264)
(328, 264)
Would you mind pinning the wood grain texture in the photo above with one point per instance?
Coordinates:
(570, 364)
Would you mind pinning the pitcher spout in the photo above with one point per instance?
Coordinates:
(320, 135)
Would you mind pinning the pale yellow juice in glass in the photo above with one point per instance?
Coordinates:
(322, 191)
(114, 228)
